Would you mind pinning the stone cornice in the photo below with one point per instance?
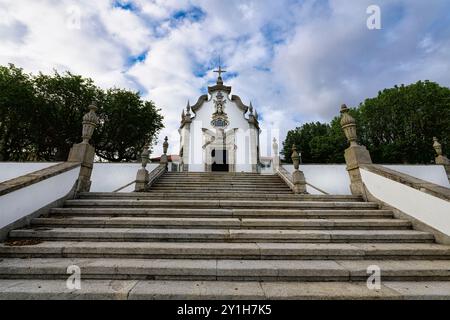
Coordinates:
(236, 99)
(202, 99)
(219, 87)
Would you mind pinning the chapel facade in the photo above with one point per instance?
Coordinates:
(219, 133)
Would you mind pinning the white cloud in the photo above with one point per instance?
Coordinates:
(296, 61)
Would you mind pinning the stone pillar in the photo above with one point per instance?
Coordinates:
(142, 177)
(355, 155)
(254, 134)
(83, 152)
(298, 177)
(186, 137)
(164, 159)
(276, 156)
(441, 158)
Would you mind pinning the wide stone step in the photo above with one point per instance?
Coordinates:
(221, 180)
(221, 191)
(218, 174)
(223, 213)
(208, 196)
(224, 250)
(230, 270)
(231, 235)
(234, 223)
(220, 290)
(117, 203)
(247, 190)
(223, 183)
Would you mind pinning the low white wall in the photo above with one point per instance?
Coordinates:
(10, 170)
(334, 179)
(432, 173)
(331, 178)
(107, 177)
(22, 202)
(424, 207)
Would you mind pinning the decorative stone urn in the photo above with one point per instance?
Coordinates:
(83, 152)
(298, 177)
(355, 154)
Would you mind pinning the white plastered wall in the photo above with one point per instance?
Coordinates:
(11, 170)
(107, 177)
(22, 202)
(428, 209)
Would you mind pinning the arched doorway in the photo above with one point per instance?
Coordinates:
(220, 160)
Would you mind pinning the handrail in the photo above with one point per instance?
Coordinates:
(128, 184)
(156, 174)
(35, 177)
(316, 188)
(287, 177)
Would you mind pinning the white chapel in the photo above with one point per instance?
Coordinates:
(219, 133)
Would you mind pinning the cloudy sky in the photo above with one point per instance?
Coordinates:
(297, 61)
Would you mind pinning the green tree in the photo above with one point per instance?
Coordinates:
(128, 123)
(397, 126)
(17, 109)
(40, 117)
(62, 100)
(302, 137)
(317, 142)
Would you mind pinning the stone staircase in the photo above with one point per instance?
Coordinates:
(221, 235)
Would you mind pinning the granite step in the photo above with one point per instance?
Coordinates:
(223, 213)
(221, 290)
(231, 223)
(202, 195)
(225, 250)
(228, 235)
(228, 270)
(221, 189)
(118, 203)
(222, 183)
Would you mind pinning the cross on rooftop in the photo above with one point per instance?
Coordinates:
(220, 71)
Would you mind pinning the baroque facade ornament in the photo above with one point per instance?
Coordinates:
(219, 117)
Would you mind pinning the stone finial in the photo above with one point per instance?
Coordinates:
(142, 176)
(355, 155)
(276, 155)
(437, 146)
(251, 108)
(188, 109)
(90, 121)
(298, 177)
(295, 157)
(441, 158)
(145, 155)
(165, 145)
(275, 147)
(348, 124)
(164, 159)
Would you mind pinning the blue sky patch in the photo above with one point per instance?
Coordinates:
(192, 14)
(125, 5)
